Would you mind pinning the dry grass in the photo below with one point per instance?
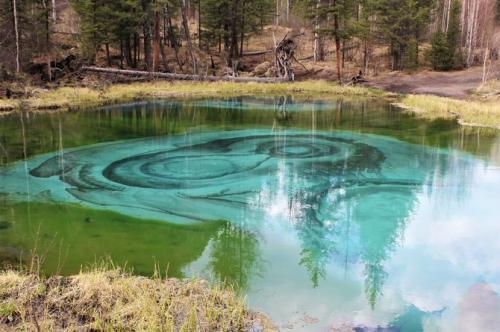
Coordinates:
(87, 97)
(478, 111)
(489, 90)
(103, 299)
(481, 113)
(63, 97)
(8, 105)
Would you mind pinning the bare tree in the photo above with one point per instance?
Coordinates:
(185, 25)
(54, 14)
(156, 40)
(16, 32)
(477, 19)
(337, 41)
(318, 40)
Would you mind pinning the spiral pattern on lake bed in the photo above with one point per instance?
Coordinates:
(199, 165)
(222, 175)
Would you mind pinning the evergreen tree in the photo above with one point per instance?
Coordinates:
(445, 52)
(439, 54)
(226, 23)
(453, 35)
(401, 24)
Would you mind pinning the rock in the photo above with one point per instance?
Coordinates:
(262, 68)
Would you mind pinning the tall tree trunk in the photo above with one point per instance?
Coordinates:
(337, 42)
(128, 51)
(242, 32)
(173, 40)
(365, 58)
(16, 32)
(108, 56)
(163, 57)
(146, 6)
(233, 47)
(185, 24)
(288, 11)
(484, 63)
(121, 54)
(318, 42)
(277, 21)
(343, 53)
(47, 39)
(54, 14)
(136, 49)
(199, 23)
(156, 41)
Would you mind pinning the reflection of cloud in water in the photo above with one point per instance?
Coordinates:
(362, 213)
(450, 245)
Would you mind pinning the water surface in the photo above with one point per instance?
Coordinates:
(327, 214)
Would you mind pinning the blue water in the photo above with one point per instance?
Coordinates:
(327, 229)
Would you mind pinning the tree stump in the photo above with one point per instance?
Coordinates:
(285, 53)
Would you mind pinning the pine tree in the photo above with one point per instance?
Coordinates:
(445, 52)
(401, 24)
(453, 35)
(228, 22)
(439, 54)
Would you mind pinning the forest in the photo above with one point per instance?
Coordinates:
(198, 36)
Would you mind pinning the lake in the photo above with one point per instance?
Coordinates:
(328, 215)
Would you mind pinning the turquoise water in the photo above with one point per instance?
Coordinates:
(326, 214)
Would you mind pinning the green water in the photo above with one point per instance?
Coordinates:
(325, 213)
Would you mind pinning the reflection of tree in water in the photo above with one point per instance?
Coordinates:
(282, 117)
(371, 213)
(318, 246)
(235, 256)
(377, 244)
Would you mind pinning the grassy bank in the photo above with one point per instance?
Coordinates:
(478, 113)
(482, 109)
(67, 97)
(103, 299)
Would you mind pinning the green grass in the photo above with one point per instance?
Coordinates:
(106, 298)
(7, 309)
(469, 112)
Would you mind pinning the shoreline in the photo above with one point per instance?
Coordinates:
(467, 112)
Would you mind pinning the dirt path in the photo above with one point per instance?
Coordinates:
(456, 84)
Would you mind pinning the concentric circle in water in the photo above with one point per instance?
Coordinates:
(228, 174)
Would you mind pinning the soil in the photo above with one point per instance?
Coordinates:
(457, 84)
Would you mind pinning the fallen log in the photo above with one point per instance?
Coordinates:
(255, 53)
(182, 77)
